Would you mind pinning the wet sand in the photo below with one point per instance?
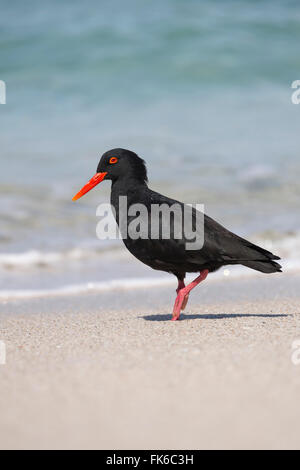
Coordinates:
(111, 370)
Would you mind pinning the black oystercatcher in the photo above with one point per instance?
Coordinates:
(220, 247)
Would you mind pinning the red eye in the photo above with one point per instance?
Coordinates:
(113, 160)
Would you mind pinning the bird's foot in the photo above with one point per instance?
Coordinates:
(183, 294)
(180, 303)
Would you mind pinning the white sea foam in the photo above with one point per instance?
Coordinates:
(231, 272)
(288, 248)
(117, 284)
(36, 258)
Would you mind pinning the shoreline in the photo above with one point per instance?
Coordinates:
(147, 279)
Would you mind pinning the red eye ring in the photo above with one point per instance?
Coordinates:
(113, 160)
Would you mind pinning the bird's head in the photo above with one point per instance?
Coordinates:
(116, 164)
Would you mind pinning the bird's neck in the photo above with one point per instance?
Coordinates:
(131, 188)
(127, 186)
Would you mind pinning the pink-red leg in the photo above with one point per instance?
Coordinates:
(181, 285)
(185, 301)
(183, 294)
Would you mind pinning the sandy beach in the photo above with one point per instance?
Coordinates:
(110, 370)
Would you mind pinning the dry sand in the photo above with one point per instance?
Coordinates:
(110, 370)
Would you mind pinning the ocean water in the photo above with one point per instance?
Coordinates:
(200, 89)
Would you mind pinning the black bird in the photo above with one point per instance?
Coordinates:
(221, 247)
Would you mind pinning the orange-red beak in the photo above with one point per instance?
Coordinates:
(97, 178)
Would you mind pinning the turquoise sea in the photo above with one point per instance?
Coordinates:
(201, 89)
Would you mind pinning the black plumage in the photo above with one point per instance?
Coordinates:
(221, 247)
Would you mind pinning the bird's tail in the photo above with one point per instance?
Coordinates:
(264, 266)
(265, 261)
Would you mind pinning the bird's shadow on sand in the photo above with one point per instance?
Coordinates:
(218, 316)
